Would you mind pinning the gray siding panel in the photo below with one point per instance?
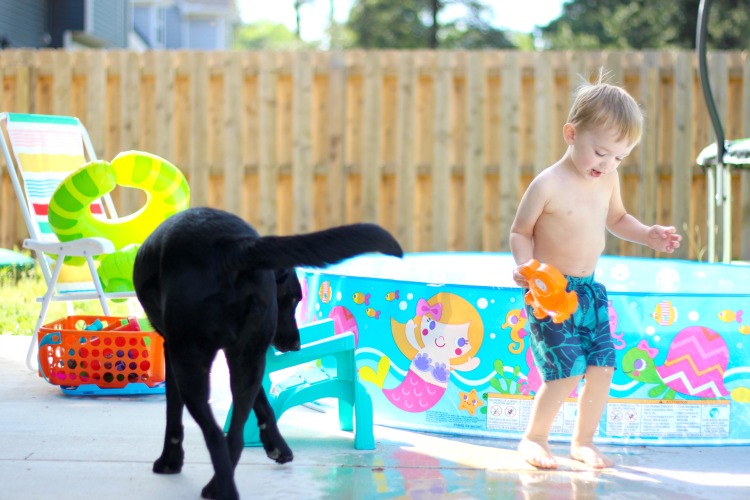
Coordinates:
(174, 28)
(142, 25)
(23, 22)
(202, 34)
(110, 21)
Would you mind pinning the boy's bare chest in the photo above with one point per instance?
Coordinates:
(580, 205)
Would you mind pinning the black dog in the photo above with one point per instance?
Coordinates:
(208, 281)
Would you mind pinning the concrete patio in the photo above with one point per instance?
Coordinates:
(69, 448)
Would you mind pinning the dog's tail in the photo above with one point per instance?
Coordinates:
(318, 249)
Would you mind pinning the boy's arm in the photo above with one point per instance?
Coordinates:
(522, 230)
(625, 226)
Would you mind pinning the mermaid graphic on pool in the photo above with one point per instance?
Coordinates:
(444, 335)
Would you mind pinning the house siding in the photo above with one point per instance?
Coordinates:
(143, 25)
(110, 21)
(204, 24)
(23, 22)
(202, 34)
(173, 22)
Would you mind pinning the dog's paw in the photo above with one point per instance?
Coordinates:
(168, 465)
(210, 491)
(274, 445)
(280, 456)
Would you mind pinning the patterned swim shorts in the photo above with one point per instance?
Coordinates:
(563, 350)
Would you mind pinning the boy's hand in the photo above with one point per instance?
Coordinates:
(519, 279)
(663, 238)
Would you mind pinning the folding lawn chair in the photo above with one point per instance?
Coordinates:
(40, 152)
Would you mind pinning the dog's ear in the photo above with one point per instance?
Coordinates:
(282, 275)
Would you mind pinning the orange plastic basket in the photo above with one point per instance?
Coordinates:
(71, 356)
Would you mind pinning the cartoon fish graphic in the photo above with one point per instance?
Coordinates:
(665, 313)
(744, 329)
(372, 313)
(325, 292)
(727, 316)
(361, 298)
(391, 296)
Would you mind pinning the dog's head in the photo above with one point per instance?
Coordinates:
(288, 295)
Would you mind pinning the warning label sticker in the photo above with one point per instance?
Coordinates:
(511, 413)
(648, 418)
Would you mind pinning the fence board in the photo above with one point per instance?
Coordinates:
(682, 166)
(543, 98)
(718, 74)
(406, 168)
(232, 136)
(509, 132)
(3, 71)
(336, 139)
(436, 146)
(474, 173)
(197, 116)
(425, 112)
(440, 174)
(25, 82)
(268, 174)
(302, 171)
(648, 185)
(163, 112)
(61, 81)
(130, 82)
(96, 98)
(371, 137)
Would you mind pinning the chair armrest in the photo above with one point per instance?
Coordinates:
(310, 351)
(342, 341)
(319, 330)
(76, 248)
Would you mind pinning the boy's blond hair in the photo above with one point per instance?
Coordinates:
(602, 105)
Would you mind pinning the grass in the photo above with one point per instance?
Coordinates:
(19, 308)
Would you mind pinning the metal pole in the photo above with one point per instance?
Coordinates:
(711, 208)
(727, 219)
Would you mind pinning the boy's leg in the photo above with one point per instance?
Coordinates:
(591, 403)
(547, 402)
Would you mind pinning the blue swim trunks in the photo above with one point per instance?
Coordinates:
(563, 350)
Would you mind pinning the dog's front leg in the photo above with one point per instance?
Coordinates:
(172, 456)
(273, 442)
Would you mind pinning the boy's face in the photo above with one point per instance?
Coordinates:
(596, 152)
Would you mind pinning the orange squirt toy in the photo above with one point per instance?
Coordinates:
(547, 293)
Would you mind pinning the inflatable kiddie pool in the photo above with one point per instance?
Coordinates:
(456, 320)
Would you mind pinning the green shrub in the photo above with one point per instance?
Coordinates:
(19, 308)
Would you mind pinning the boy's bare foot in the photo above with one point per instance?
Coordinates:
(590, 455)
(537, 454)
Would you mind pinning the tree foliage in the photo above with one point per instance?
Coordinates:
(267, 35)
(643, 24)
(411, 24)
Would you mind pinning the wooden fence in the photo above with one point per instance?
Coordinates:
(436, 146)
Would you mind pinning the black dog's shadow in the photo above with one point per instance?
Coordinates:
(208, 282)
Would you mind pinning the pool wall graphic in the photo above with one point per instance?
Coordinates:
(442, 345)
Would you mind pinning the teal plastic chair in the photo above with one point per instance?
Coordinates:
(334, 376)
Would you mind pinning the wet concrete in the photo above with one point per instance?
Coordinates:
(65, 447)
